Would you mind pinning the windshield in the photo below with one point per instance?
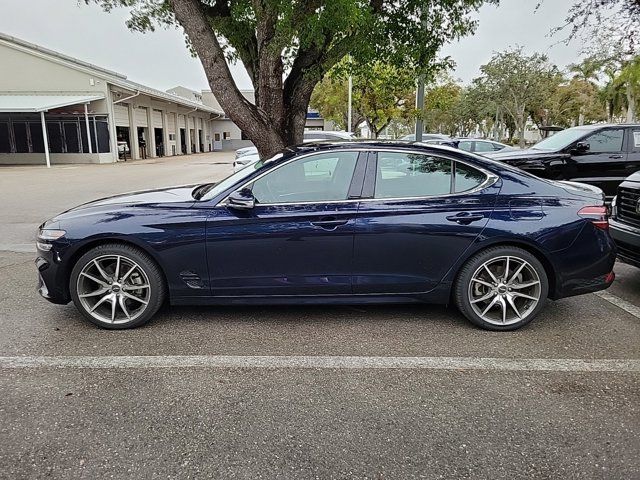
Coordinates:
(211, 190)
(217, 188)
(561, 139)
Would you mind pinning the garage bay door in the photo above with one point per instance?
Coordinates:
(141, 117)
(121, 115)
(157, 119)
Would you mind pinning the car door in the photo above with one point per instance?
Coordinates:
(424, 212)
(604, 163)
(633, 150)
(297, 239)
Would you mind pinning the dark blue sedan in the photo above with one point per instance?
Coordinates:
(335, 224)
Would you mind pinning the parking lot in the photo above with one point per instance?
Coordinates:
(378, 392)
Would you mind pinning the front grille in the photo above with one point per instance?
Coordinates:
(628, 206)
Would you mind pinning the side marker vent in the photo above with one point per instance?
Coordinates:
(192, 279)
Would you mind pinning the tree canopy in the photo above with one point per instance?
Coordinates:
(288, 47)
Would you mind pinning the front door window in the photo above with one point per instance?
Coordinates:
(606, 141)
(318, 178)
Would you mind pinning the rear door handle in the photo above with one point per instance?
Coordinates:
(617, 157)
(329, 223)
(465, 218)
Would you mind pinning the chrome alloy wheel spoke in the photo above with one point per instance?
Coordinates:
(109, 296)
(504, 290)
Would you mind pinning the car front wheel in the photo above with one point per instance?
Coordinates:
(501, 288)
(117, 286)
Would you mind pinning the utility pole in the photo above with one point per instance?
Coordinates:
(349, 106)
(420, 108)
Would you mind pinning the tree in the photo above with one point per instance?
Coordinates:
(575, 103)
(287, 47)
(440, 102)
(330, 98)
(518, 83)
(383, 93)
(598, 18)
(629, 77)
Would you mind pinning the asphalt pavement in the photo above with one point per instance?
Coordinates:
(384, 392)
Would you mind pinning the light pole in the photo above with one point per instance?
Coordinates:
(349, 106)
(420, 108)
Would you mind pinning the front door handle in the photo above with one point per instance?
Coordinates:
(617, 157)
(329, 223)
(465, 218)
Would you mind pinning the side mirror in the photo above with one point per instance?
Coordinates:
(581, 147)
(242, 200)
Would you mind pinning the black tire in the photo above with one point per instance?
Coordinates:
(464, 279)
(155, 296)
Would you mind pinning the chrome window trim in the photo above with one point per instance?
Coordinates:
(489, 181)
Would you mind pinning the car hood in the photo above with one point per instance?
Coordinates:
(141, 198)
(635, 177)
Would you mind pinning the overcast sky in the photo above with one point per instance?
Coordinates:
(161, 60)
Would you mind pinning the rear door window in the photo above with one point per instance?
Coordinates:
(410, 175)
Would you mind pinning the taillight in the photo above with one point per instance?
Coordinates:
(597, 215)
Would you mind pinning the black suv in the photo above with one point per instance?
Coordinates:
(601, 155)
(625, 221)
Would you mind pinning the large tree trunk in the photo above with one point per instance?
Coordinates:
(520, 121)
(261, 126)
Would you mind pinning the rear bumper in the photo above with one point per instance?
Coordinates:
(627, 240)
(586, 266)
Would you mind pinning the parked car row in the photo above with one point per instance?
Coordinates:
(249, 155)
(473, 145)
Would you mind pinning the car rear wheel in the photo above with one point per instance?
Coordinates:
(117, 286)
(501, 288)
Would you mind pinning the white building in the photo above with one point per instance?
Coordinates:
(82, 112)
(57, 109)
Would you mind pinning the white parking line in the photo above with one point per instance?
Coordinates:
(18, 247)
(325, 362)
(620, 303)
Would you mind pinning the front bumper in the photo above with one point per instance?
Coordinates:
(51, 278)
(627, 240)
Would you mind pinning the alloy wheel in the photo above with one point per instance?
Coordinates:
(113, 289)
(504, 290)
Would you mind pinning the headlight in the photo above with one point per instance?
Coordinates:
(50, 235)
(47, 235)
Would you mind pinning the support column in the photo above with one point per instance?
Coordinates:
(187, 131)
(151, 141)
(111, 123)
(196, 133)
(178, 135)
(165, 133)
(45, 138)
(133, 133)
(86, 124)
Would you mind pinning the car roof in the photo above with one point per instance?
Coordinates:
(327, 145)
(597, 126)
